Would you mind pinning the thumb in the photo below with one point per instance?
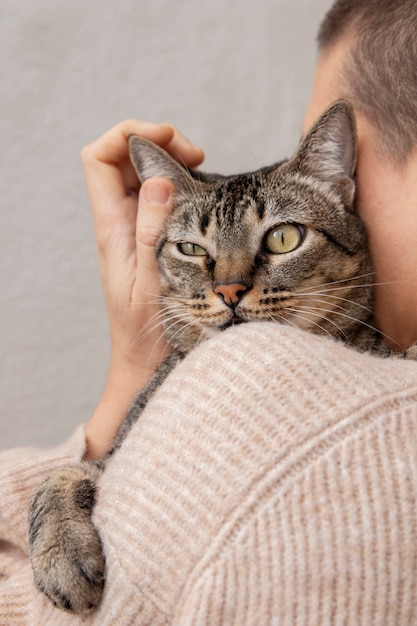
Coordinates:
(156, 200)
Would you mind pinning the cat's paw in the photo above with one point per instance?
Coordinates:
(411, 352)
(65, 549)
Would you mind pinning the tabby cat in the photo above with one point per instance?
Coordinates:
(283, 243)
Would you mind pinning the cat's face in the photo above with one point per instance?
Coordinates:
(279, 244)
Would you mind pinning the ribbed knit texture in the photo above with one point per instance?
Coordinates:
(21, 470)
(271, 481)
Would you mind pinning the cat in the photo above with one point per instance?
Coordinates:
(283, 244)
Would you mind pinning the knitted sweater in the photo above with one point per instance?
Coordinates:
(272, 480)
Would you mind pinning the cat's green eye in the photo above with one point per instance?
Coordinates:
(284, 238)
(191, 249)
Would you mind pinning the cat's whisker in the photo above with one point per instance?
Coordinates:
(156, 299)
(176, 317)
(334, 306)
(329, 309)
(171, 320)
(331, 290)
(349, 279)
(161, 313)
(151, 325)
(354, 319)
(142, 335)
(281, 320)
(148, 331)
(160, 319)
(167, 329)
(325, 313)
(322, 287)
(201, 337)
(376, 329)
(297, 313)
(335, 312)
(332, 300)
(182, 330)
(163, 355)
(333, 297)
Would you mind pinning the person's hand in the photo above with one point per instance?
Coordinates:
(127, 224)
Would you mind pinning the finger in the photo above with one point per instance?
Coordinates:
(106, 160)
(156, 200)
(114, 206)
(112, 147)
(108, 170)
(181, 148)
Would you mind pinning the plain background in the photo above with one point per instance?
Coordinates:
(233, 75)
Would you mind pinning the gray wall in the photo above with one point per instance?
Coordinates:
(234, 75)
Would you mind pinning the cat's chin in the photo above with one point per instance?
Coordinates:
(215, 330)
(235, 321)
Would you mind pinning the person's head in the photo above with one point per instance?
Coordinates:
(379, 72)
(368, 55)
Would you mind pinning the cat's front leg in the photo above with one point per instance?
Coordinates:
(65, 549)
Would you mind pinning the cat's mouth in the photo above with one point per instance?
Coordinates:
(234, 321)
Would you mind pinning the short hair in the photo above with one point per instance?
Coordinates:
(380, 71)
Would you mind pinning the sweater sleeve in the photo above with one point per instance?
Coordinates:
(21, 469)
(271, 480)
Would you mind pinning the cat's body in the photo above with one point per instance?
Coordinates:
(281, 244)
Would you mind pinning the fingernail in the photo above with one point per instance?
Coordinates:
(157, 193)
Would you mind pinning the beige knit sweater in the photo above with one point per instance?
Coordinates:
(271, 481)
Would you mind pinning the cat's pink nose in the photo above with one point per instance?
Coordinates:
(231, 293)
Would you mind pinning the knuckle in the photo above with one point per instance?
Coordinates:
(147, 236)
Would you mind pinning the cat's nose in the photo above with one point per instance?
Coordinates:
(231, 293)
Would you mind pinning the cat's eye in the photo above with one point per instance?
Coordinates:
(191, 249)
(284, 238)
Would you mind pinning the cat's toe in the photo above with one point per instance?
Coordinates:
(65, 549)
(72, 578)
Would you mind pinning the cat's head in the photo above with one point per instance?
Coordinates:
(283, 243)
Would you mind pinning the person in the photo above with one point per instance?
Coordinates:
(280, 486)
(367, 55)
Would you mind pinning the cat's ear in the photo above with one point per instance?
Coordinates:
(150, 160)
(328, 150)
